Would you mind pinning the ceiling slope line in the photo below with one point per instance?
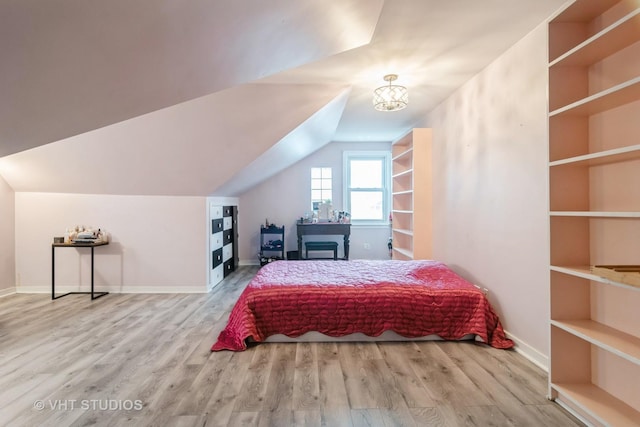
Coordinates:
(310, 136)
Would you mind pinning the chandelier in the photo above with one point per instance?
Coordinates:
(391, 97)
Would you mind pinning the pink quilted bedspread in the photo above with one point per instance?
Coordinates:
(411, 298)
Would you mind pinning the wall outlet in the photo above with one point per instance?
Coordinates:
(367, 246)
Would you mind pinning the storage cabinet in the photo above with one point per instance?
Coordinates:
(223, 241)
(411, 192)
(594, 177)
(271, 243)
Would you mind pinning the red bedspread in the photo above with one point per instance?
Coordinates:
(412, 298)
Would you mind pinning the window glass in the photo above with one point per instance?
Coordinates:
(366, 173)
(367, 205)
(366, 185)
(321, 186)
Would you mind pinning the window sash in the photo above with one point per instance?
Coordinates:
(385, 158)
(321, 185)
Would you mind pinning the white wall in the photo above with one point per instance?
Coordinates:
(490, 164)
(287, 196)
(7, 240)
(159, 243)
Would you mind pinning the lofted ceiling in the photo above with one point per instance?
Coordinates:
(162, 97)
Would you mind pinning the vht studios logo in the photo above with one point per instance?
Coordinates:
(89, 404)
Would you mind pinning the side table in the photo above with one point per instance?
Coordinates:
(94, 295)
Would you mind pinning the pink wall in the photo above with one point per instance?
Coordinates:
(7, 240)
(158, 243)
(286, 196)
(491, 191)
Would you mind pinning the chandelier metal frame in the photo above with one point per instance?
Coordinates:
(391, 97)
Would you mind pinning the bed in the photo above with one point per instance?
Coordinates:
(412, 299)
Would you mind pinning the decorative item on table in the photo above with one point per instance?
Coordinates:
(343, 217)
(82, 234)
(324, 210)
(86, 236)
(306, 219)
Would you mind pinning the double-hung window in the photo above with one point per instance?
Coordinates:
(367, 182)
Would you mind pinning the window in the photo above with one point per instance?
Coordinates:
(321, 189)
(367, 185)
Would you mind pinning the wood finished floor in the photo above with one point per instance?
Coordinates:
(89, 362)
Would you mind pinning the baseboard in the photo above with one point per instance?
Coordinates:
(116, 289)
(530, 353)
(7, 291)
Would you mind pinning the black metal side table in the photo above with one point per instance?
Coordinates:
(94, 295)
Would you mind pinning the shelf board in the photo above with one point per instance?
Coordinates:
(406, 252)
(594, 214)
(584, 272)
(402, 231)
(400, 193)
(395, 211)
(597, 403)
(584, 10)
(614, 341)
(616, 37)
(608, 99)
(403, 154)
(404, 140)
(616, 155)
(403, 173)
(579, 271)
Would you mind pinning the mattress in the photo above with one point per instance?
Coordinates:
(314, 336)
(410, 298)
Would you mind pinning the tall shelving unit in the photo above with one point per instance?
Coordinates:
(411, 189)
(594, 177)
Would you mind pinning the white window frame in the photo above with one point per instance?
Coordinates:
(322, 189)
(386, 177)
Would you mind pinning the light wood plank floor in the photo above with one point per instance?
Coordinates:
(131, 359)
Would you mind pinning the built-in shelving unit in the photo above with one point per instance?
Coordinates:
(411, 229)
(594, 177)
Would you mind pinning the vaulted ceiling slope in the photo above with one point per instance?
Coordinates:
(315, 133)
(185, 150)
(72, 66)
(161, 97)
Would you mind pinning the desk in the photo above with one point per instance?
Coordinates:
(324, 229)
(94, 295)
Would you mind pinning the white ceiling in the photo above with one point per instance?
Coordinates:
(178, 98)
